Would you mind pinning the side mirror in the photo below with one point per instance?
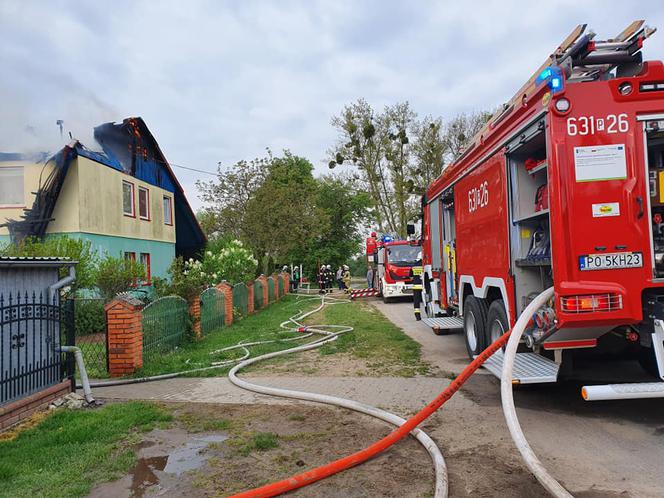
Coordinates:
(410, 229)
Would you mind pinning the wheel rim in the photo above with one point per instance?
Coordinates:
(471, 332)
(496, 330)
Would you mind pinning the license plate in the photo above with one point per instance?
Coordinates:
(611, 261)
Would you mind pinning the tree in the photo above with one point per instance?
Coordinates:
(429, 150)
(228, 196)
(281, 214)
(460, 130)
(344, 210)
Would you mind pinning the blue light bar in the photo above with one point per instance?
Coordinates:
(553, 76)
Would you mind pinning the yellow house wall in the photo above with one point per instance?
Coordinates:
(100, 198)
(31, 173)
(66, 213)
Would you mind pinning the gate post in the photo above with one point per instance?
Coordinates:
(250, 298)
(195, 313)
(287, 278)
(227, 291)
(125, 336)
(266, 299)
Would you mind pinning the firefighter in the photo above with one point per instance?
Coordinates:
(346, 278)
(329, 278)
(295, 278)
(416, 274)
(321, 279)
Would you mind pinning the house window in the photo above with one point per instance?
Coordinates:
(168, 211)
(143, 203)
(11, 187)
(130, 256)
(128, 199)
(145, 261)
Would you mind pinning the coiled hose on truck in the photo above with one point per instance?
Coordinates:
(533, 463)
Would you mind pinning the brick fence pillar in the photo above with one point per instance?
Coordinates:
(195, 313)
(250, 298)
(276, 277)
(227, 291)
(263, 280)
(286, 276)
(125, 336)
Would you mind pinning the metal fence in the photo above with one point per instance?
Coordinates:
(91, 335)
(270, 289)
(32, 329)
(241, 298)
(165, 322)
(258, 295)
(213, 310)
(280, 281)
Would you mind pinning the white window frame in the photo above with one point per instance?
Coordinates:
(168, 221)
(147, 203)
(20, 204)
(132, 214)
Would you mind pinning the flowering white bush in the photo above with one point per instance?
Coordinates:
(233, 263)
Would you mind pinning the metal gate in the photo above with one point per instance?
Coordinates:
(270, 289)
(241, 298)
(32, 329)
(258, 295)
(213, 310)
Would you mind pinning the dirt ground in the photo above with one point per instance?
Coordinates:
(304, 436)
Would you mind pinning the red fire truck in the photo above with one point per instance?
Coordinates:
(563, 187)
(393, 261)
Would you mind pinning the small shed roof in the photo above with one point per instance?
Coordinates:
(35, 261)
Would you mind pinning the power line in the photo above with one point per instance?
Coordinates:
(193, 169)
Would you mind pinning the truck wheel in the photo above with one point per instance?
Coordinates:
(648, 361)
(497, 322)
(474, 325)
(386, 300)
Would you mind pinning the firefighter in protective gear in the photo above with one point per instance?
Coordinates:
(416, 274)
(321, 279)
(329, 278)
(346, 278)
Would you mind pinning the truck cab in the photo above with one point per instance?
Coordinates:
(394, 262)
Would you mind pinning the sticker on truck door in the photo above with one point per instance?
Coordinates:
(600, 162)
(611, 261)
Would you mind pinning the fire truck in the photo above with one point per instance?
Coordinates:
(563, 187)
(393, 261)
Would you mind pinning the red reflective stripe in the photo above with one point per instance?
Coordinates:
(583, 343)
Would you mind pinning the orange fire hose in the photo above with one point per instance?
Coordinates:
(313, 475)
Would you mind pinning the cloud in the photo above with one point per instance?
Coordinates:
(219, 82)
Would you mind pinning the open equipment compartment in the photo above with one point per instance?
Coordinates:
(655, 153)
(530, 237)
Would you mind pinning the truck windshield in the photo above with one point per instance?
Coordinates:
(402, 255)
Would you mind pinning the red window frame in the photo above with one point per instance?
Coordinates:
(132, 257)
(147, 203)
(145, 261)
(133, 200)
(168, 221)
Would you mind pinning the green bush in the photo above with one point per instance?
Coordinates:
(89, 316)
(115, 275)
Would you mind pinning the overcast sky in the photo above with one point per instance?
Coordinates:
(219, 81)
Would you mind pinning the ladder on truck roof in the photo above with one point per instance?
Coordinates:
(583, 59)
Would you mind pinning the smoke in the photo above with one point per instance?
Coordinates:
(33, 116)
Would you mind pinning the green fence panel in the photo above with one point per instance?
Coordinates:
(280, 280)
(241, 298)
(258, 295)
(165, 322)
(213, 310)
(270, 289)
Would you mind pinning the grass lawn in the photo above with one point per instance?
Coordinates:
(375, 339)
(263, 325)
(385, 349)
(70, 451)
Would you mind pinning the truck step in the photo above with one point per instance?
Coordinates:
(529, 368)
(444, 322)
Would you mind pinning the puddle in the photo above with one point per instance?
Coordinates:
(188, 457)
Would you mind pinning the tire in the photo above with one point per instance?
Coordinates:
(496, 323)
(474, 325)
(386, 300)
(648, 361)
